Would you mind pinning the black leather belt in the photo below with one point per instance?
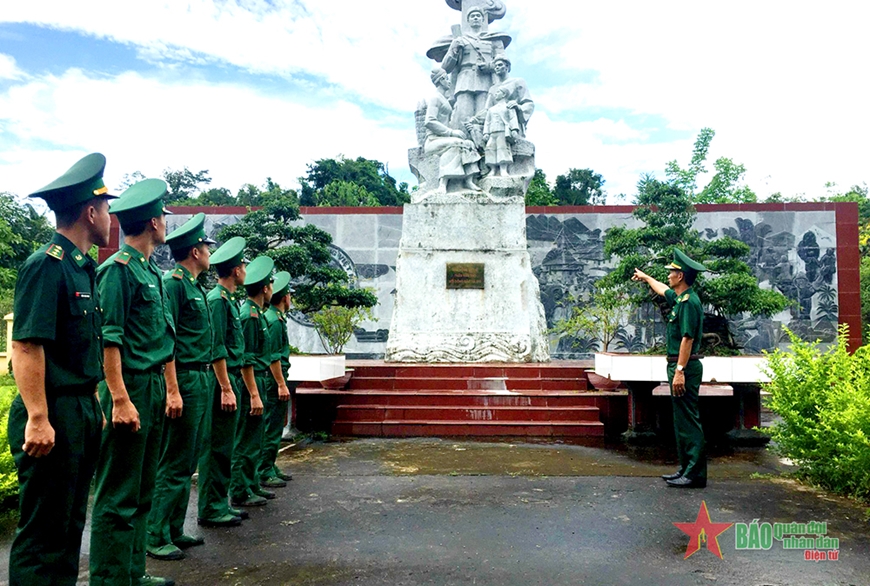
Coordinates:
(692, 357)
(198, 366)
(156, 369)
(72, 390)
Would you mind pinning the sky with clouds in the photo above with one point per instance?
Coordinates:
(250, 89)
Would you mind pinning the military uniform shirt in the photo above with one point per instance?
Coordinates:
(229, 343)
(257, 348)
(135, 316)
(189, 309)
(685, 320)
(57, 306)
(278, 338)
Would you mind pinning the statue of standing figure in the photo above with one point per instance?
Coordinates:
(470, 58)
(505, 117)
(458, 156)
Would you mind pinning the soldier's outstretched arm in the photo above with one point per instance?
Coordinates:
(658, 287)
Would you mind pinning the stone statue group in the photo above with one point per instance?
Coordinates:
(476, 123)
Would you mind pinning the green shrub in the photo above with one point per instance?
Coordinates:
(823, 398)
(8, 473)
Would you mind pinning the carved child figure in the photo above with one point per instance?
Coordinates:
(501, 129)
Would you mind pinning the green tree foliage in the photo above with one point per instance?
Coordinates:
(8, 472)
(602, 319)
(668, 215)
(579, 187)
(726, 186)
(539, 193)
(368, 174)
(344, 193)
(823, 399)
(184, 185)
(303, 251)
(22, 230)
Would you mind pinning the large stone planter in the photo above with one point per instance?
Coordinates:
(734, 389)
(315, 367)
(652, 368)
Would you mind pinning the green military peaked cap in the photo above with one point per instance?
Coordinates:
(141, 201)
(683, 263)
(259, 271)
(189, 234)
(81, 182)
(231, 253)
(281, 285)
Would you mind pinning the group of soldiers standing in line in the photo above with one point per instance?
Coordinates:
(139, 378)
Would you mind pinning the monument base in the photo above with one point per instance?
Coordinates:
(464, 282)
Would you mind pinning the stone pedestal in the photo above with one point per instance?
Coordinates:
(501, 322)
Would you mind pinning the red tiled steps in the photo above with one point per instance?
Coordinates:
(381, 413)
(469, 428)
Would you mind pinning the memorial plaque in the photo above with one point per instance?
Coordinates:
(465, 276)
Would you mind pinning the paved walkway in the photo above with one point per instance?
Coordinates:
(442, 512)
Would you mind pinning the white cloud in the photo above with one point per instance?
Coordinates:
(144, 124)
(8, 68)
(783, 84)
(372, 49)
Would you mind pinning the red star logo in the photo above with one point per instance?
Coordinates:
(703, 530)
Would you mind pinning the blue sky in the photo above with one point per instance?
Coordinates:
(250, 89)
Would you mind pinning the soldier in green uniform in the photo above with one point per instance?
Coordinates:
(188, 391)
(277, 393)
(245, 490)
(685, 327)
(57, 354)
(215, 465)
(139, 339)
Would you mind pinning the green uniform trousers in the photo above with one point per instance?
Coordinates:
(53, 492)
(249, 441)
(689, 434)
(124, 488)
(273, 428)
(180, 449)
(216, 462)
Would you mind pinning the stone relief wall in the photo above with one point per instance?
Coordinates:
(793, 251)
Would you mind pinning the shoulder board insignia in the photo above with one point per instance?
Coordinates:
(684, 297)
(177, 274)
(254, 312)
(123, 258)
(224, 295)
(55, 251)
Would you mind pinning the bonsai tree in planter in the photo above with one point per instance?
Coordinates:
(302, 251)
(728, 289)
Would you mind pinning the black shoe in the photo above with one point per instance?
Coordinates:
(673, 476)
(284, 475)
(684, 482)
(239, 513)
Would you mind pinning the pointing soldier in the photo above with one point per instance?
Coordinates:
(139, 339)
(685, 327)
(188, 391)
(55, 422)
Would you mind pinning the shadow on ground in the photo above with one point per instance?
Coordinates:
(444, 512)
